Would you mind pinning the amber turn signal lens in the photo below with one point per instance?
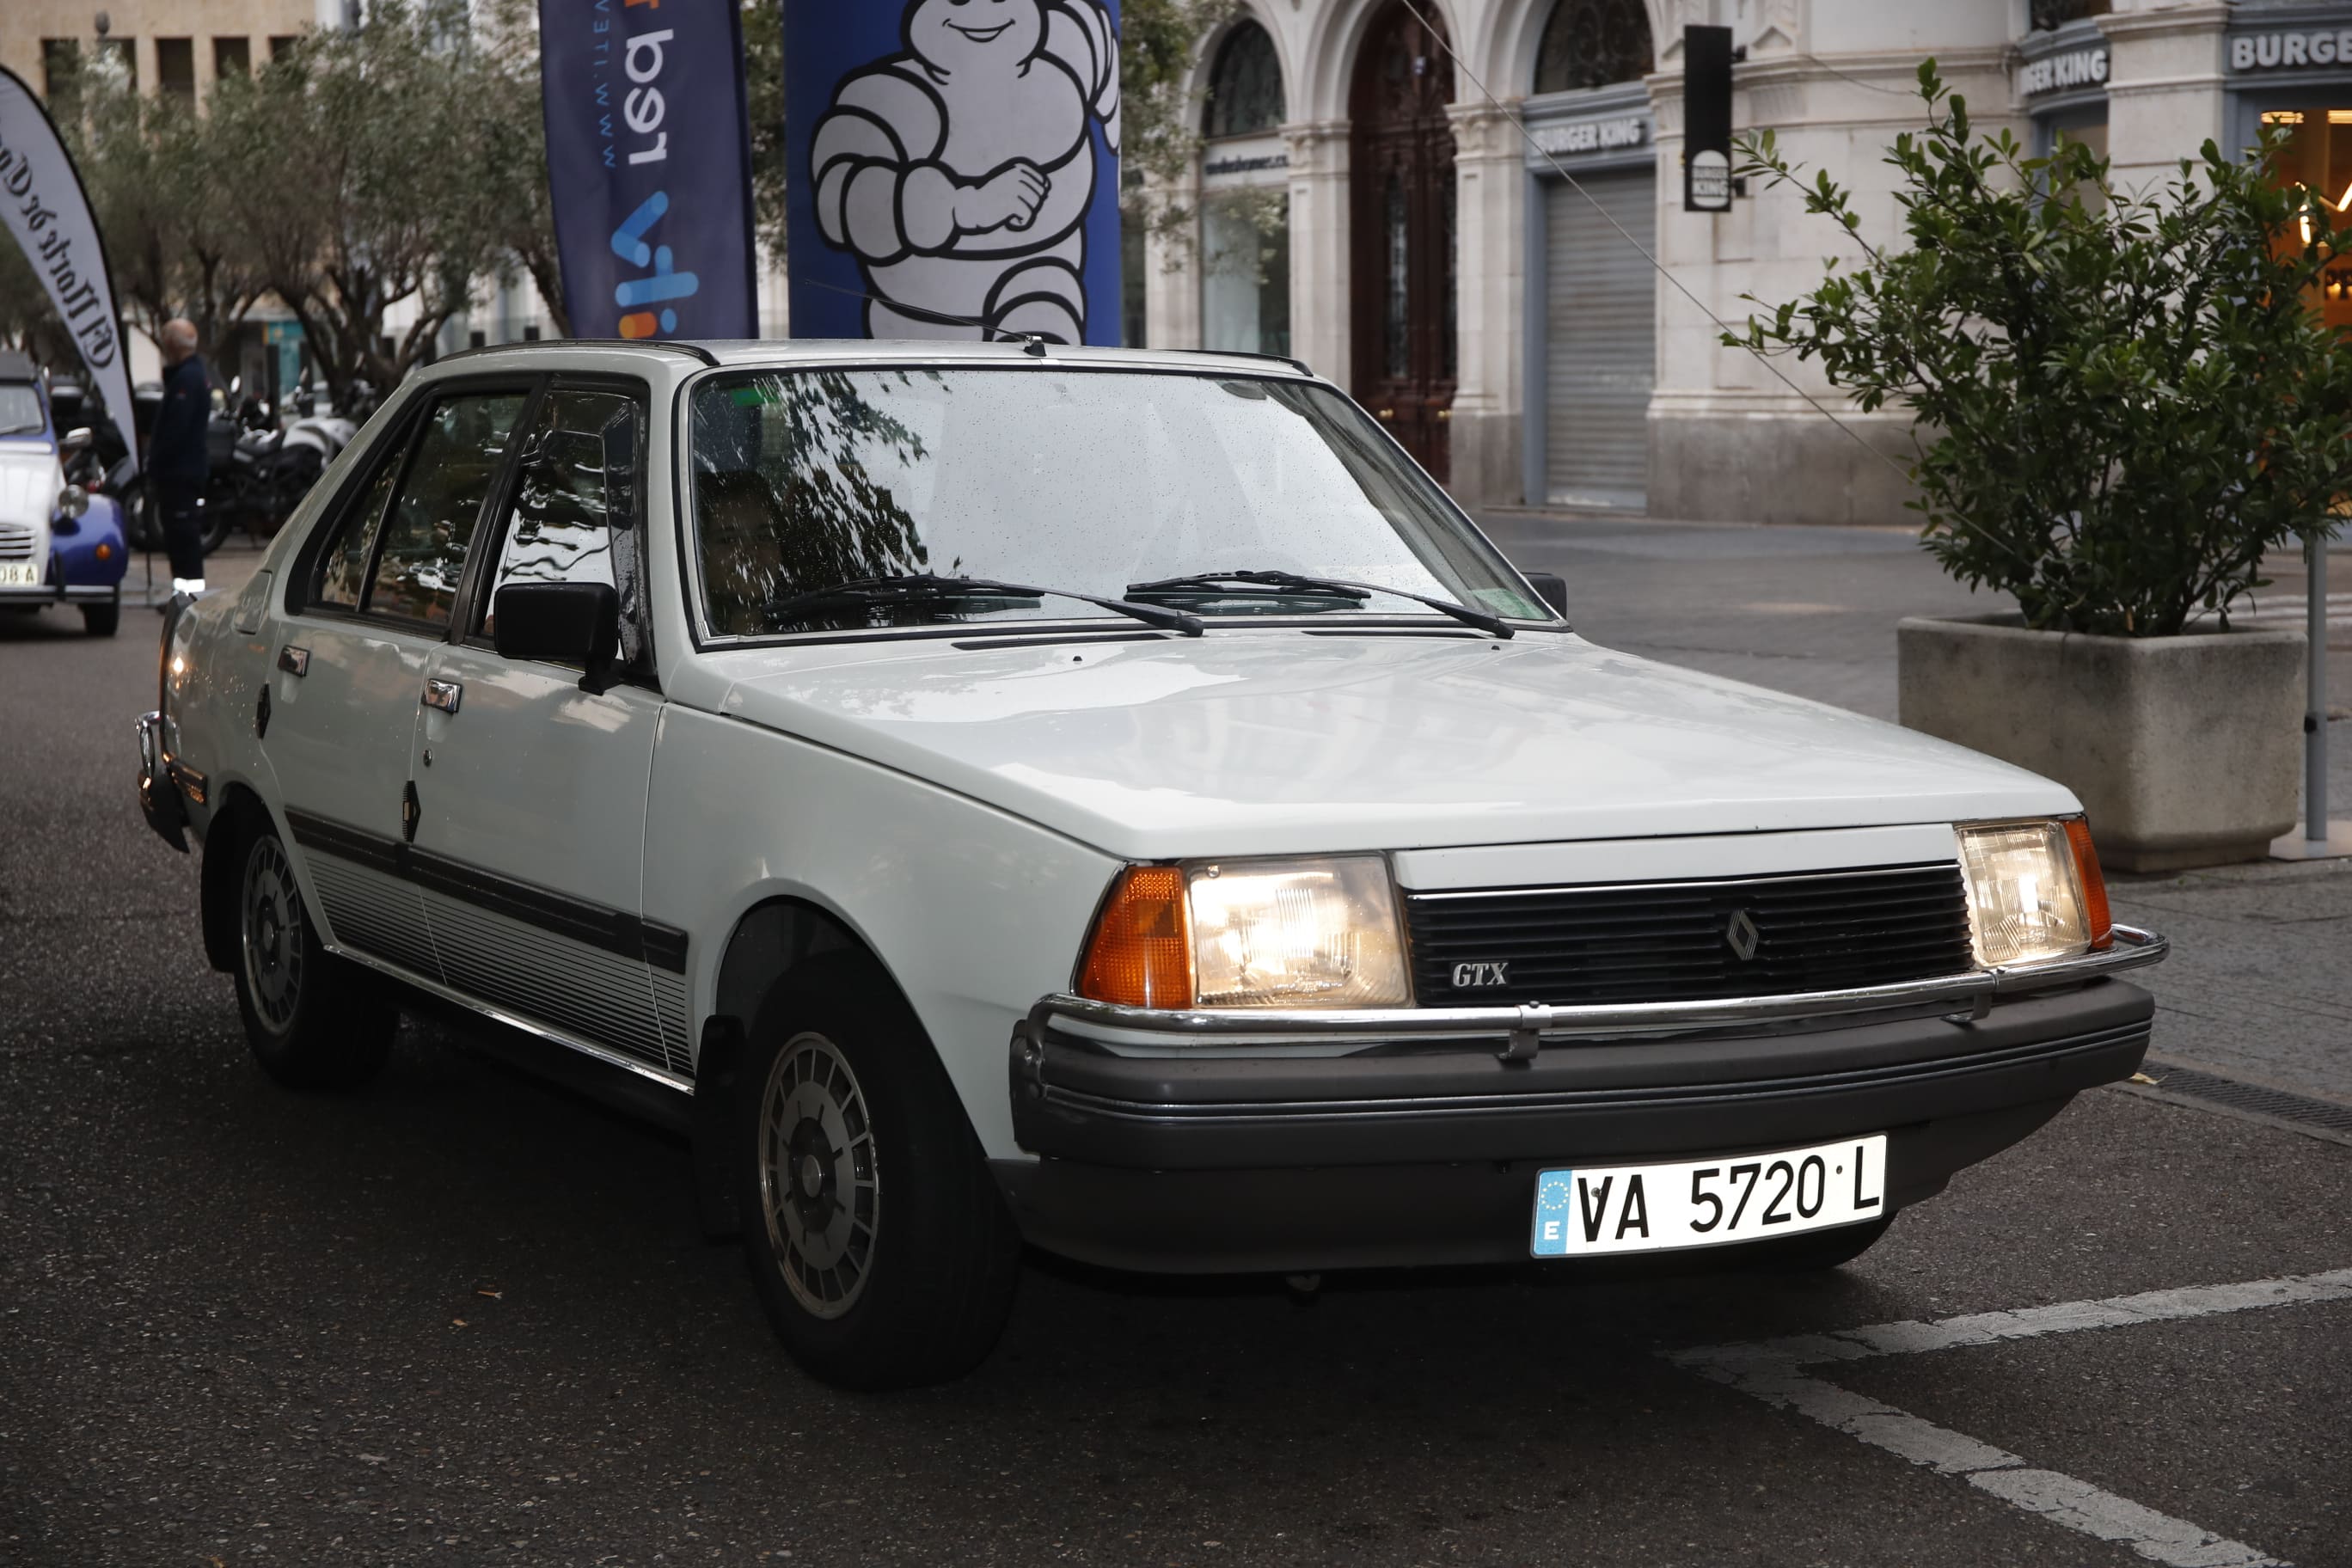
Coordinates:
(2101, 925)
(1141, 952)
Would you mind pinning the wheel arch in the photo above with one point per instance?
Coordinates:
(240, 806)
(774, 941)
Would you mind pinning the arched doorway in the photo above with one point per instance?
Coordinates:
(1400, 194)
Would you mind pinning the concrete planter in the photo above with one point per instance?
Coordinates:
(2185, 751)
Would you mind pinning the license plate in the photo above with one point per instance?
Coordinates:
(20, 573)
(1707, 1203)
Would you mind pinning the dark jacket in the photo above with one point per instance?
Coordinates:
(176, 449)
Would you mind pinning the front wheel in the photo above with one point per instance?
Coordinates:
(100, 620)
(314, 1020)
(876, 1238)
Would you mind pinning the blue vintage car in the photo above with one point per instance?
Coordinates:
(58, 545)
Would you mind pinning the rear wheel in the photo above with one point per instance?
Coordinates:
(874, 1232)
(315, 1021)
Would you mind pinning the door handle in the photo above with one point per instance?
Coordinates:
(294, 661)
(442, 694)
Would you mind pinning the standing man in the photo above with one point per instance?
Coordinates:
(178, 460)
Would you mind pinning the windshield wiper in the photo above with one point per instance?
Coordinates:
(1292, 582)
(925, 587)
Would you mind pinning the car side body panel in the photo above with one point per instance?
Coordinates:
(974, 912)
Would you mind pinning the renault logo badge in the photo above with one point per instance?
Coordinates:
(1742, 933)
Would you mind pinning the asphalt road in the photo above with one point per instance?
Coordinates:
(466, 1318)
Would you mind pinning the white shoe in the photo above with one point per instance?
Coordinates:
(191, 586)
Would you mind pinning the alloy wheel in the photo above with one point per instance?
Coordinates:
(272, 929)
(820, 1190)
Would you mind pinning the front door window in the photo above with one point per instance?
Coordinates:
(458, 458)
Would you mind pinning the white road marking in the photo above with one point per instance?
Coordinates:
(1772, 1371)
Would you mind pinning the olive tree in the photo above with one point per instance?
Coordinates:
(357, 168)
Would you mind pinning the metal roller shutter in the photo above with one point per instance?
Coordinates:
(1600, 339)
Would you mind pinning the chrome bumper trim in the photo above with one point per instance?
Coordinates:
(1525, 1026)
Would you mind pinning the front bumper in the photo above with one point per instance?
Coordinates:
(47, 594)
(1381, 1145)
(162, 780)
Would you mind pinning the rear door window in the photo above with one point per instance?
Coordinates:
(460, 454)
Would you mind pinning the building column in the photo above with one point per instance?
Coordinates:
(1172, 279)
(1490, 216)
(1318, 246)
(2167, 91)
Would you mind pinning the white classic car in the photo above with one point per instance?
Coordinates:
(987, 793)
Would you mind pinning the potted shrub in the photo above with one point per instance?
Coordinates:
(2123, 401)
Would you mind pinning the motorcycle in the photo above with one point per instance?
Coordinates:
(259, 472)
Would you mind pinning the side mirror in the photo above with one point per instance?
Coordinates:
(560, 622)
(1551, 588)
(77, 439)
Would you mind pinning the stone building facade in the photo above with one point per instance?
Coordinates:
(1446, 206)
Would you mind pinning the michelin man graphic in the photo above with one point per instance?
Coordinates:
(960, 171)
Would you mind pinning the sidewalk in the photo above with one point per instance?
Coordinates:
(2259, 986)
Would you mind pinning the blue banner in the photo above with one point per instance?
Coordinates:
(953, 168)
(648, 167)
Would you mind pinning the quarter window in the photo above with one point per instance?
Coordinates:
(432, 518)
(344, 570)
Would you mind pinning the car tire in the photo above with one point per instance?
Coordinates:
(1816, 1250)
(880, 1247)
(101, 620)
(315, 1021)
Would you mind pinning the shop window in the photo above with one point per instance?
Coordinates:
(1132, 320)
(175, 67)
(2318, 154)
(121, 55)
(62, 75)
(1245, 84)
(1591, 43)
(1245, 271)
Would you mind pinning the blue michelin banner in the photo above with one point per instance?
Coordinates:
(648, 165)
(954, 168)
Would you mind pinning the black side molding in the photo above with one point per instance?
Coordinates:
(614, 930)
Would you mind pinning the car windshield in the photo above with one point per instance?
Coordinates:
(20, 410)
(1102, 482)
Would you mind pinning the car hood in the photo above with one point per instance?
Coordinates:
(29, 482)
(1245, 742)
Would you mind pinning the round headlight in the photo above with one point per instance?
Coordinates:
(72, 502)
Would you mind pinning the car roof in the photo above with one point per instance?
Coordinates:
(785, 353)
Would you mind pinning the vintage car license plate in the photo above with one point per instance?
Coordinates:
(20, 573)
(1707, 1203)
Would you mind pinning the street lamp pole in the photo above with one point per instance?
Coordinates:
(2314, 717)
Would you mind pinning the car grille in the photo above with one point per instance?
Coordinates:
(15, 542)
(1672, 941)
